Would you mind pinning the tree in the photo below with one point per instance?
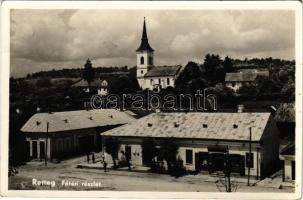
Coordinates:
(124, 84)
(225, 96)
(196, 84)
(191, 71)
(168, 151)
(288, 91)
(213, 68)
(248, 90)
(228, 65)
(112, 147)
(44, 82)
(88, 73)
(265, 85)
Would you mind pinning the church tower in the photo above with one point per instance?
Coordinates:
(145, 57)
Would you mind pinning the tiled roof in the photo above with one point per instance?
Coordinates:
(73, 120)
(83, 83)
(288, 150)
(243, 76)
(196, 125)
(163, 71)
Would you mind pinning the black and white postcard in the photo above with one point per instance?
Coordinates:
(151, 99)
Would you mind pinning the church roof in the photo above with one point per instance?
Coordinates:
(144, 46)
(163, 71)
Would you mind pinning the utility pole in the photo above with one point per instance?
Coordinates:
(228, 170)
(249, 156)
(46, 136)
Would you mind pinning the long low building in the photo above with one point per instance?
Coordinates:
(204, 138)
(289, 163)
(63, 134)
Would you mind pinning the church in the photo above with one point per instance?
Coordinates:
(150, 76)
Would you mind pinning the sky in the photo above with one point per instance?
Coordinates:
(43, 40)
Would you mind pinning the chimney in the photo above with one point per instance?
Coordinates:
(240, 108)
(273, 109)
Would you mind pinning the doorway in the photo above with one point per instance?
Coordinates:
(86, 144)
(27, 150)
(201, 161)
(34, 148)
(42, 150)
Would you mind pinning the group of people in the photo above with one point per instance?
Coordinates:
(103, 161)
(93, 160)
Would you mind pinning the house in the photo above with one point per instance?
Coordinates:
(203, 139)
(150, 76)
(103, 84)
(94, 85)
(289, 167)
(62, 134)
(235, 80)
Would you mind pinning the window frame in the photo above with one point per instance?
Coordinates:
(189, 156)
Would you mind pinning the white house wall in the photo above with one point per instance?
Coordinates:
(59, 140)
(196, 146)
(288, 168)
(136, 153)
(146, 83)
(234, 85)
(255, 171)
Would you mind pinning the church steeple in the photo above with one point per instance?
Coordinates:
(144, 46)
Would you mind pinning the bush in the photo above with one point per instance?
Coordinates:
(44, 82)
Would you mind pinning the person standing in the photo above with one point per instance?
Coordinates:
(93, 157)
(104, 165)
(87, 157)
(104, 162)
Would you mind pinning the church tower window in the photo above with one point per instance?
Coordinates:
(142, 60)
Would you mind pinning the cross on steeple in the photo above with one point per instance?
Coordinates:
(144, 46)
